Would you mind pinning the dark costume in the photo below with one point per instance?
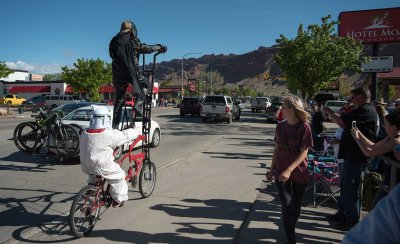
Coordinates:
(124, 50)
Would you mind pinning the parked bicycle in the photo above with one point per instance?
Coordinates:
(47, 132)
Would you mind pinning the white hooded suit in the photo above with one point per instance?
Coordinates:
(97, 145)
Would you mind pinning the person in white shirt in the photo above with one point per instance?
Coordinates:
(97, 145)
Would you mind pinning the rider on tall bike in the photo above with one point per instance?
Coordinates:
(125, 49)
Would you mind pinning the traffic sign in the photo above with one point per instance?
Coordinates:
(378, 64)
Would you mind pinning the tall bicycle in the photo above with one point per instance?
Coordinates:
(86, 207)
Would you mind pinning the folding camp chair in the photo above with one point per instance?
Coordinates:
(324, 175)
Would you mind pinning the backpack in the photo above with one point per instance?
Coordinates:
(370, 189)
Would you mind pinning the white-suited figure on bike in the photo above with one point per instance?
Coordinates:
(97, 145)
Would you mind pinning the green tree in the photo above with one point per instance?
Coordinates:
(316, 57)
(4, 70)
(88, 75)
(52, 77)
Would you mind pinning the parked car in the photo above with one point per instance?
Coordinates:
(57, 100)
(275, 99)
(12, 99)
(335, 105)
(190, 105)
(81, 117)
(237, 109)
(37, 100)
(321, 98)
(271, 111)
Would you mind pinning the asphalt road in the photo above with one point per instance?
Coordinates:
(208, 177)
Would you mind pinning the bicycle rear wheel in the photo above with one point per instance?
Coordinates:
(84, 211)
(26, 137)
(147, 179)
(67, 141)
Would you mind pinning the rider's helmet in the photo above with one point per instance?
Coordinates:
(101, 118)
(127, 26)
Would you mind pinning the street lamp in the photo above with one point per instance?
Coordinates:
(182, 70)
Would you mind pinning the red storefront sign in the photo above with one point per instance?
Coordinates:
(29, 89)
(371, 26)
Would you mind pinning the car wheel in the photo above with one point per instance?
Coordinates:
(155, 141)
(204, 119)
(237, 117)
(182, 115)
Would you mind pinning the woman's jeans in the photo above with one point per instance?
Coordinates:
(291, 195)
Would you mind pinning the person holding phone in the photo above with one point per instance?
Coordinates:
(384, 147)
(366, 120)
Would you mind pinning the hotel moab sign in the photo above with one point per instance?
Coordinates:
(371, 26)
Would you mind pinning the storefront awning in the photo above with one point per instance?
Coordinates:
(29, 89)
(394, 74)
(109, 89)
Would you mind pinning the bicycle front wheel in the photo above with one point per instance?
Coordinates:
(147, 179)
(26, 137)
(84, 211)
(67, 141)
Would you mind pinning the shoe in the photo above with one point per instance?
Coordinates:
(116, 204)
(345, 226)
(337, 217)
(138, 108)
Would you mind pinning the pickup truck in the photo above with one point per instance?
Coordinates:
(12, 100)
(260, 103)
(217, 107)
(190, 105)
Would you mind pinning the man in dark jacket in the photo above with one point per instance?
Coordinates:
(125, 49)
(366, 120)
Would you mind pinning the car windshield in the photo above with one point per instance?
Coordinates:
(214, 99)
(68, 108)
(190, 100)
(79, 115)
(84, 114)
(335, 104)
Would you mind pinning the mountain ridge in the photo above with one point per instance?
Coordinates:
(248, 69)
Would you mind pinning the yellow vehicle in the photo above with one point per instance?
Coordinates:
(12, 100)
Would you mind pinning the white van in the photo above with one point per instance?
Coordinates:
(57, 100)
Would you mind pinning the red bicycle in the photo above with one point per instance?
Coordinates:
(85, 209)
(87, 204)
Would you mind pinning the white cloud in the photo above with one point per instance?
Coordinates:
(35, 68)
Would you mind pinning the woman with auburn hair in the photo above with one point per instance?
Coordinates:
(289, 164)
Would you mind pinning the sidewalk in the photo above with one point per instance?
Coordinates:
(264, 219)
(13, 114)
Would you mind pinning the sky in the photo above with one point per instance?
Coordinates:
(41, 36)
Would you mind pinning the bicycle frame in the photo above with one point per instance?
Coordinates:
(138, 159)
